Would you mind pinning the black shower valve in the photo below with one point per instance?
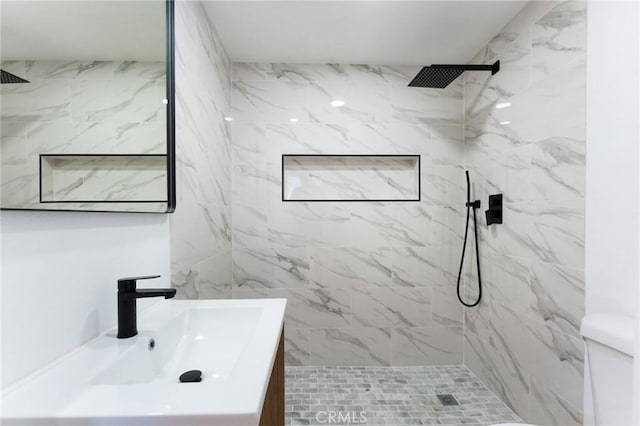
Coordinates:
(494, 214)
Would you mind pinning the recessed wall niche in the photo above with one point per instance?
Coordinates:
(352, 177)
(103, 178)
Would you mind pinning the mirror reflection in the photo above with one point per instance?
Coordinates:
(84, 105)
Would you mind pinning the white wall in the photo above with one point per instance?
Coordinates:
(613, 187)
(59, 273)
(612, 160)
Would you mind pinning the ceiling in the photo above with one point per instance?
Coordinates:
(371, 32)
(83, 30)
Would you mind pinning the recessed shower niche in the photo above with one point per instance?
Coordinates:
(103, 178)
(310, 177)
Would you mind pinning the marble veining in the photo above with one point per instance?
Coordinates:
(523, 340)
(202, 227)
(365, 271)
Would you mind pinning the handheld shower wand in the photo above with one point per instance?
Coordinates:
(471, 205)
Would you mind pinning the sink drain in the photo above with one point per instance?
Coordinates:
(191, 376)
(152, 344)
(447, 399)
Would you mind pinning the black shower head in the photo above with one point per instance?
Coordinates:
(8, 78)
(440, 76)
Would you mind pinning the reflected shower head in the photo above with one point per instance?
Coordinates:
(440, 76)
(8, 78)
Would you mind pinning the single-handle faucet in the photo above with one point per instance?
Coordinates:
(127, 296)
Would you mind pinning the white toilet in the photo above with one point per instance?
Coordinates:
(610, 347)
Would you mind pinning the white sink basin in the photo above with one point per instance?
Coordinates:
(122, 382)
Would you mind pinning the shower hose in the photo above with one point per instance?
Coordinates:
(470, 206)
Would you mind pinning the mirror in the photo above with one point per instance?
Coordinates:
(87, 116)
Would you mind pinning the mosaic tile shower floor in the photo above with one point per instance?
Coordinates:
(390, 396)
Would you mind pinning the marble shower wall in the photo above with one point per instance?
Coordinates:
(368, 283)
(525, 137)
(201, 224)
(82, 107)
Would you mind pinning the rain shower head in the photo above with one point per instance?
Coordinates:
(8, 78)
(440, 76)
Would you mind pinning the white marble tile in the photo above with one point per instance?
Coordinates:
(350, 268)
(249, 292)
(102, 70)
(71, 138)
(155, 70)
(248, 71)
(447, 145)
(364, 103)
(214, 277)
(127, 100)
(558, 169)
(249, 144)
(315, 308)
(192, 233)
(250, 184)
(559, 295)
(518, 174)
(497, 371)
(269, 101)
(141, 138)
(296, 346)
(510, 282)
(271, 268)
(391, 139)
(366, 73)
(426, 346)
(348, 346)
(427, 106)
(304, 138)
(184, 280)
(551, 232)
(443, 185)
(19, 189)
(40, 100)
(392, 307)
(417, 266)
(554, 359)
(477, 320)
(288, 224)
(13, 143)
(249, 227)
(559, 38)
(546, 407)
(446, 309)
(18, 68)
(397, 225)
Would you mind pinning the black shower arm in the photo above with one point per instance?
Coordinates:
(494, 68)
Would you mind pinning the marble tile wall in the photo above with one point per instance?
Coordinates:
(201, 224)
(368, 283)
(79, 107)
(523, 339)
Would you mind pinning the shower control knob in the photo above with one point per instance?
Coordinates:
(494, 214)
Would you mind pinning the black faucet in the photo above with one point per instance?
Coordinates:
(127, 296)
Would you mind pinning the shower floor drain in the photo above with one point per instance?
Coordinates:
(447, 399)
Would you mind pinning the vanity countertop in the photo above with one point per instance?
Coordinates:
(134, 381)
